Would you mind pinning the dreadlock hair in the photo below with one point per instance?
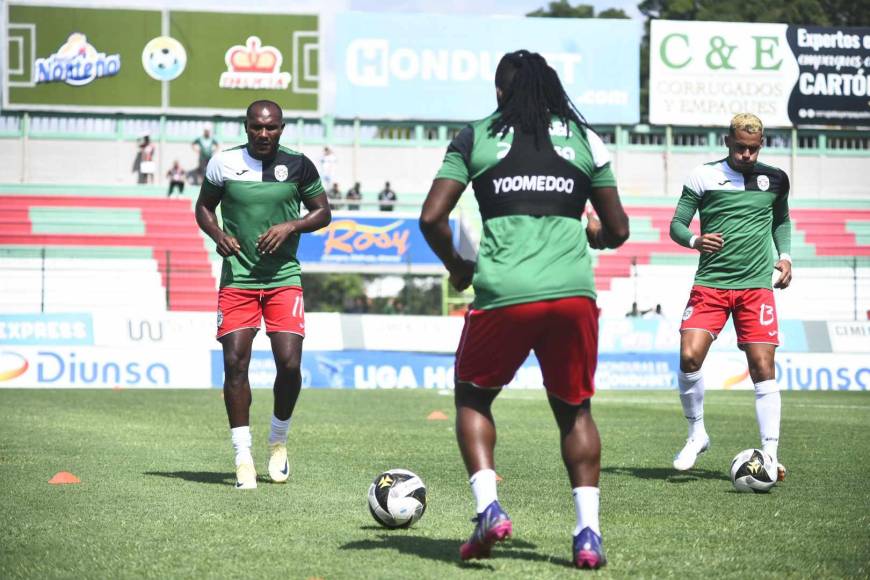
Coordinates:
(531, 95)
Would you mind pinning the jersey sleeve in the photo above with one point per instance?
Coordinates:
(214, 176)
(458, 157)
(686, 208)
(309, 179)
(602, 174)
(781, 220)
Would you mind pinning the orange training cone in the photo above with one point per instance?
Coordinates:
(437, 416)
(64, 477)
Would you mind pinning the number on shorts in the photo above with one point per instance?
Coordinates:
(298, 306)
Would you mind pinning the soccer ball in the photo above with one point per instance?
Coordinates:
(753, 470)
(397, 498)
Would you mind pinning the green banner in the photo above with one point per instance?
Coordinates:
(148, 61)
(72, 58)
(234, 59)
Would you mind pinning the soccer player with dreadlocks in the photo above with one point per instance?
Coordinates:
(533, 165)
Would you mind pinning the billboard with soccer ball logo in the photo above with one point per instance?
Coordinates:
(183, 62)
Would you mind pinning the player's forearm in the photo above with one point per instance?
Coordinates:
(679, 230)
(782, 226)
(313, 220)
(207, 221)
(440, 238)
(782, 237)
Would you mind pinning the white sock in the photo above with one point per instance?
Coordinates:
(483, 488)
(586, 506)
(278, 432)
(692, 399)
(768, 410)
(241, 437)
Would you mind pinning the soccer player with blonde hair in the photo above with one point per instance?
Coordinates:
(743, 206)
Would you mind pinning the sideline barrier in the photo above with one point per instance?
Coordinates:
(178, 350)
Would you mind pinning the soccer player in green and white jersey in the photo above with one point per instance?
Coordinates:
(742, 204)
(260, 186)
(533, 164)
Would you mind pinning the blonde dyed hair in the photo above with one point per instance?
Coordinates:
(746, 122)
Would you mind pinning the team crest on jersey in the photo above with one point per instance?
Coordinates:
(688, 312)
(763, 182)
(281, 173)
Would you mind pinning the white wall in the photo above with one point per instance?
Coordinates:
(410, 169)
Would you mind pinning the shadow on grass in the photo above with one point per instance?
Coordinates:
(667, 474)
(198, 476)
(444, 549)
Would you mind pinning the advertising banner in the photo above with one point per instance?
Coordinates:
(703, 73)
(75, 59)
(377, 242)
(45, 329)
(628, 335)
(849, 336)
(367, 369)
(96, 367)
(634, 371)
(432, 66)
(804, 372)
(234, 59)
(183, 330)
(63, 58)
(412, 333)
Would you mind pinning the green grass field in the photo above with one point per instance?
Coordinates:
(156, 497)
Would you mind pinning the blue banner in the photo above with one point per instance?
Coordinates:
(364, 369)
(429, 66)
(632, 371)
(389, 240)
(659, 334)
(46, 329)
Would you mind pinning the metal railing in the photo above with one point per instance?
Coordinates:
(357, 132)
(52, 279)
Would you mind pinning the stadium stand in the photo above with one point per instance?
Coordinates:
(103, 251)
(829, 246)
(127, 248)
(76, 200)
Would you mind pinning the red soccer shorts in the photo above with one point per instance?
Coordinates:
(282, 308)
(563, 333)
(753, 309)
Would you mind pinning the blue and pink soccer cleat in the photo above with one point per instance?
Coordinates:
(588, 552)
(493, 525)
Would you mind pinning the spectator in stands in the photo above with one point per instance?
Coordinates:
(261, 276)
(387, 198)
(328, 161)
(206, 147)
(334, 195)
(745, 204)
(634, 312)
(653, 312)
(359, 305)
(176, 175)
(353, 195)
(533, 281)
(145, 165)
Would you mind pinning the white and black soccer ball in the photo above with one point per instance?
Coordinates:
(397, 498)
(753, 470)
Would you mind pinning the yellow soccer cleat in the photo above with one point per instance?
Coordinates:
(246, 476)
(279, 467)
